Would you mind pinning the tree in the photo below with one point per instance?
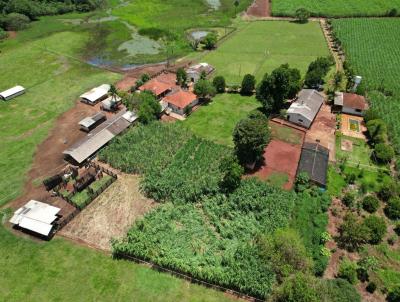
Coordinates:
(3, 34)
(377, 228)
(377, 131)
(283, 83)
(181, 77)
(352, 233)
(370, 203)
(248, 85)
(236, 4)
(348, 199)
(210, 41)
(302, 15)
(143, 79)
(219, 84)
(371, 114)
(348, 271)
(232, 173)
(337, 79)
(392, 209)
(113, 92)
(388, 191)
(383, 152)
(394, 295)
(317, 70)
(298, 288)
(15, 21)
(250, 136)
(302, 181)
(149, 107)
(204, 89)
(285, 251)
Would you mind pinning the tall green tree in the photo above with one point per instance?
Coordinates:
(210, 41)
(232, 173)
(248, 85)
(204, 89)
(181, 77)
(219, 84)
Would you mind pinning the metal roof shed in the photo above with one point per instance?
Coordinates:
(12, 93)
(88, 123)
(96, 94)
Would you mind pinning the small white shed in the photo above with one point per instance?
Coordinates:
(96, 94)
(12, 93)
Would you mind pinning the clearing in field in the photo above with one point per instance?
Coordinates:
(111, 214)
(261, 46)
(216, 120)
(335, 8)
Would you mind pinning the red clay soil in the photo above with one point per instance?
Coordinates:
(48, 158)
(11, 34)
(280, 157)
(259, 8)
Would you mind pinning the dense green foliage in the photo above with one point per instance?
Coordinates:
(353, 233)
(392, 209)
(232, 173)
(372, 50)
(204, 89)
(219, 84)
(214, 240)
(348, 271)
(193, 172)
(370, 203)
(377, 228)
(248, 85)
(317, 72)
(335, 8)
(145, 148)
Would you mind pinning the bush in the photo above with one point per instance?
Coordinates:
(338, 290)
(383, 152)
(349, 199)
(348, 271)
(352, 233)
(219, 84)
(392, 209)
(302, 15)
(248, 85)
(397, 229)
(15, 21)
(299, 288)
(370, 204)
(377, 228)
(392, 12)
(388, 191)
(394, 295)
(371, 287)
(210, 41)
(377, 130)
(232, 173)
(3, 34)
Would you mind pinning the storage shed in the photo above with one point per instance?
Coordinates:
(37, 217)
(111, 103)
(89, 123)
(194, 72)
(12, 93)
(96, 94)
(306, 107)
(314, 161)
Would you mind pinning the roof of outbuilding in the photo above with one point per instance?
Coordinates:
(354, 101)
(96, 93)
(314, 160)
(9, 92)
(180, 98)
(90, 120)
(308, 103)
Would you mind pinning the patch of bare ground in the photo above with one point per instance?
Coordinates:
(259, 8)
(110, 215)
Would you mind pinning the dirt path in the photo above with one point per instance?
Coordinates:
(110, 215)
(328, 37)
(259, 8)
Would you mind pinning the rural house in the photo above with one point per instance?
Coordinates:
(194, 72)
(304, 110)
(350, 103)
(181, 101)
(157, 87)
(12, 93)
(91, 122)
(96, 94)
(37, 217)
(314, 161)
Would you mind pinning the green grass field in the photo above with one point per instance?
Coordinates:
(261, 46)
(215, 121)
(337, 8)
(373, 49)
(62, 271)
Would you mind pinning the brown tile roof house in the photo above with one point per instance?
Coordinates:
(180, 98)
(350, 103)
(314, 161)
(156, 86)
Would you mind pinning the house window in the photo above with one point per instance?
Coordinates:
(358, 110)
(300, 120)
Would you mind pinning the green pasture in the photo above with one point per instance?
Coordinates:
(61, 271)
(335, 8)
(216, 120)
(260, 46)
(53, 79)
(286, 134)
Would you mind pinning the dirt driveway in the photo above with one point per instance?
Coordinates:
(110, 215)
(323, 130)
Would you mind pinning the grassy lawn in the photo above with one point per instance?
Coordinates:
(259, 47)
(278, 179)
(285, 134)
(61, 271)
(338, 8)
(360, 155)
(216, 120)
(54, 81)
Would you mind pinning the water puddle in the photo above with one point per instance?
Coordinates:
(214, 4)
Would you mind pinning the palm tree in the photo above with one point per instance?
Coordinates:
(113, 92)
(236, 4)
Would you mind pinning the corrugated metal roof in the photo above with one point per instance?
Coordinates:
(89, 121)
(308, 103)
(9, 92)
(314, 160)
(96, 93)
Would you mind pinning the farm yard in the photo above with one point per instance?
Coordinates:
(269, 44)
(335, 8)
(216, 120)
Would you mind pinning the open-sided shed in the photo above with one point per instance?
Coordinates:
(12, 93)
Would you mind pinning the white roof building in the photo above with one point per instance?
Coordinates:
(36, 216)
(12, 93)
(96, 94)
(130, 116)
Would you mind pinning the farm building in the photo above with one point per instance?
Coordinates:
(94, 141)
(12, 93)
(194, 72)
(304, 110)
(111, 103)
(314, 161)
(181, 101)
(350, 103)
(96, 94)
(130, 116)
(37, 217)
(89, 123)
(157, 86)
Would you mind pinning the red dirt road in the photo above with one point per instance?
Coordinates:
(280, 157)
(259, 8)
